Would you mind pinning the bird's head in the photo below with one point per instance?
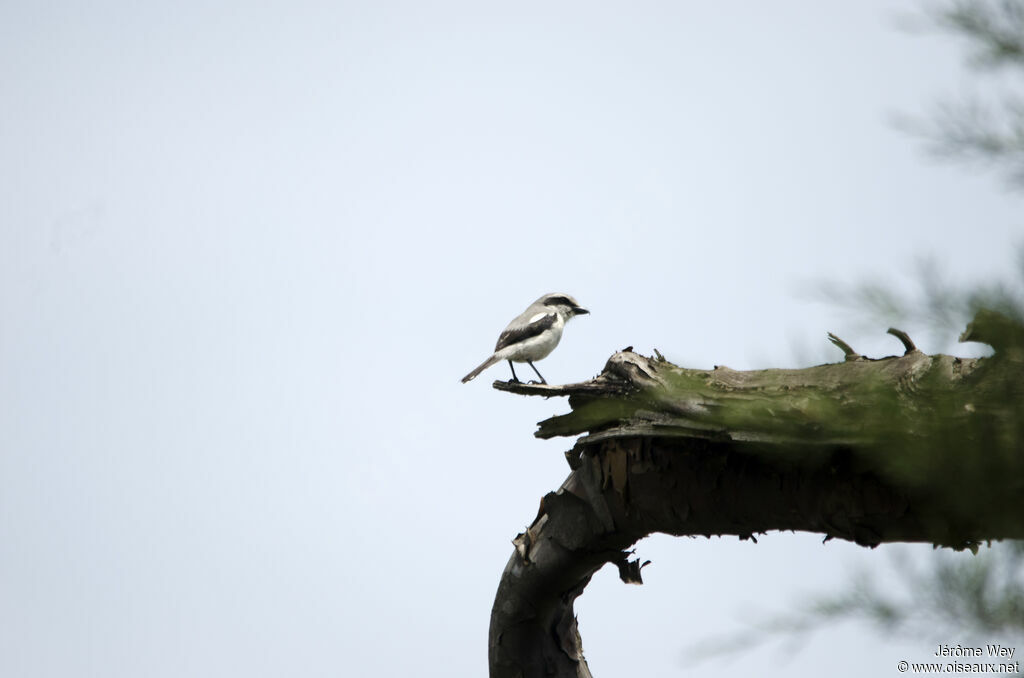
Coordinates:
(562, 304)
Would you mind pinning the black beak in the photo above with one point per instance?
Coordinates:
(576, 310)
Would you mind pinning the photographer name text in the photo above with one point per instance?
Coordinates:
(968, 651)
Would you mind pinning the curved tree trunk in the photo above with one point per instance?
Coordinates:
(842, 450)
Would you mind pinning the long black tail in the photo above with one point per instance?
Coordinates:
(483, 366)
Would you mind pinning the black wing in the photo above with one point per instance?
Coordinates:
(515, 335)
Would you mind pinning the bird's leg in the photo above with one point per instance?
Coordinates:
(515, 379)
(530, 363)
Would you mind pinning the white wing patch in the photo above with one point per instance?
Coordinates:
(537, 317)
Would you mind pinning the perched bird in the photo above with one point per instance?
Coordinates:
(533, 334)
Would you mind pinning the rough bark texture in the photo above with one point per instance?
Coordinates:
(843, 450)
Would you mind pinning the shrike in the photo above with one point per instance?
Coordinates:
(533, 334)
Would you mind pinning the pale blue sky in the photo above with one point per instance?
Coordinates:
(246, 253)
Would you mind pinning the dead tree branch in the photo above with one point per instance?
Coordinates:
(915, 448)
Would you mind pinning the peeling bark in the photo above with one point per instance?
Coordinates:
(721, 452)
